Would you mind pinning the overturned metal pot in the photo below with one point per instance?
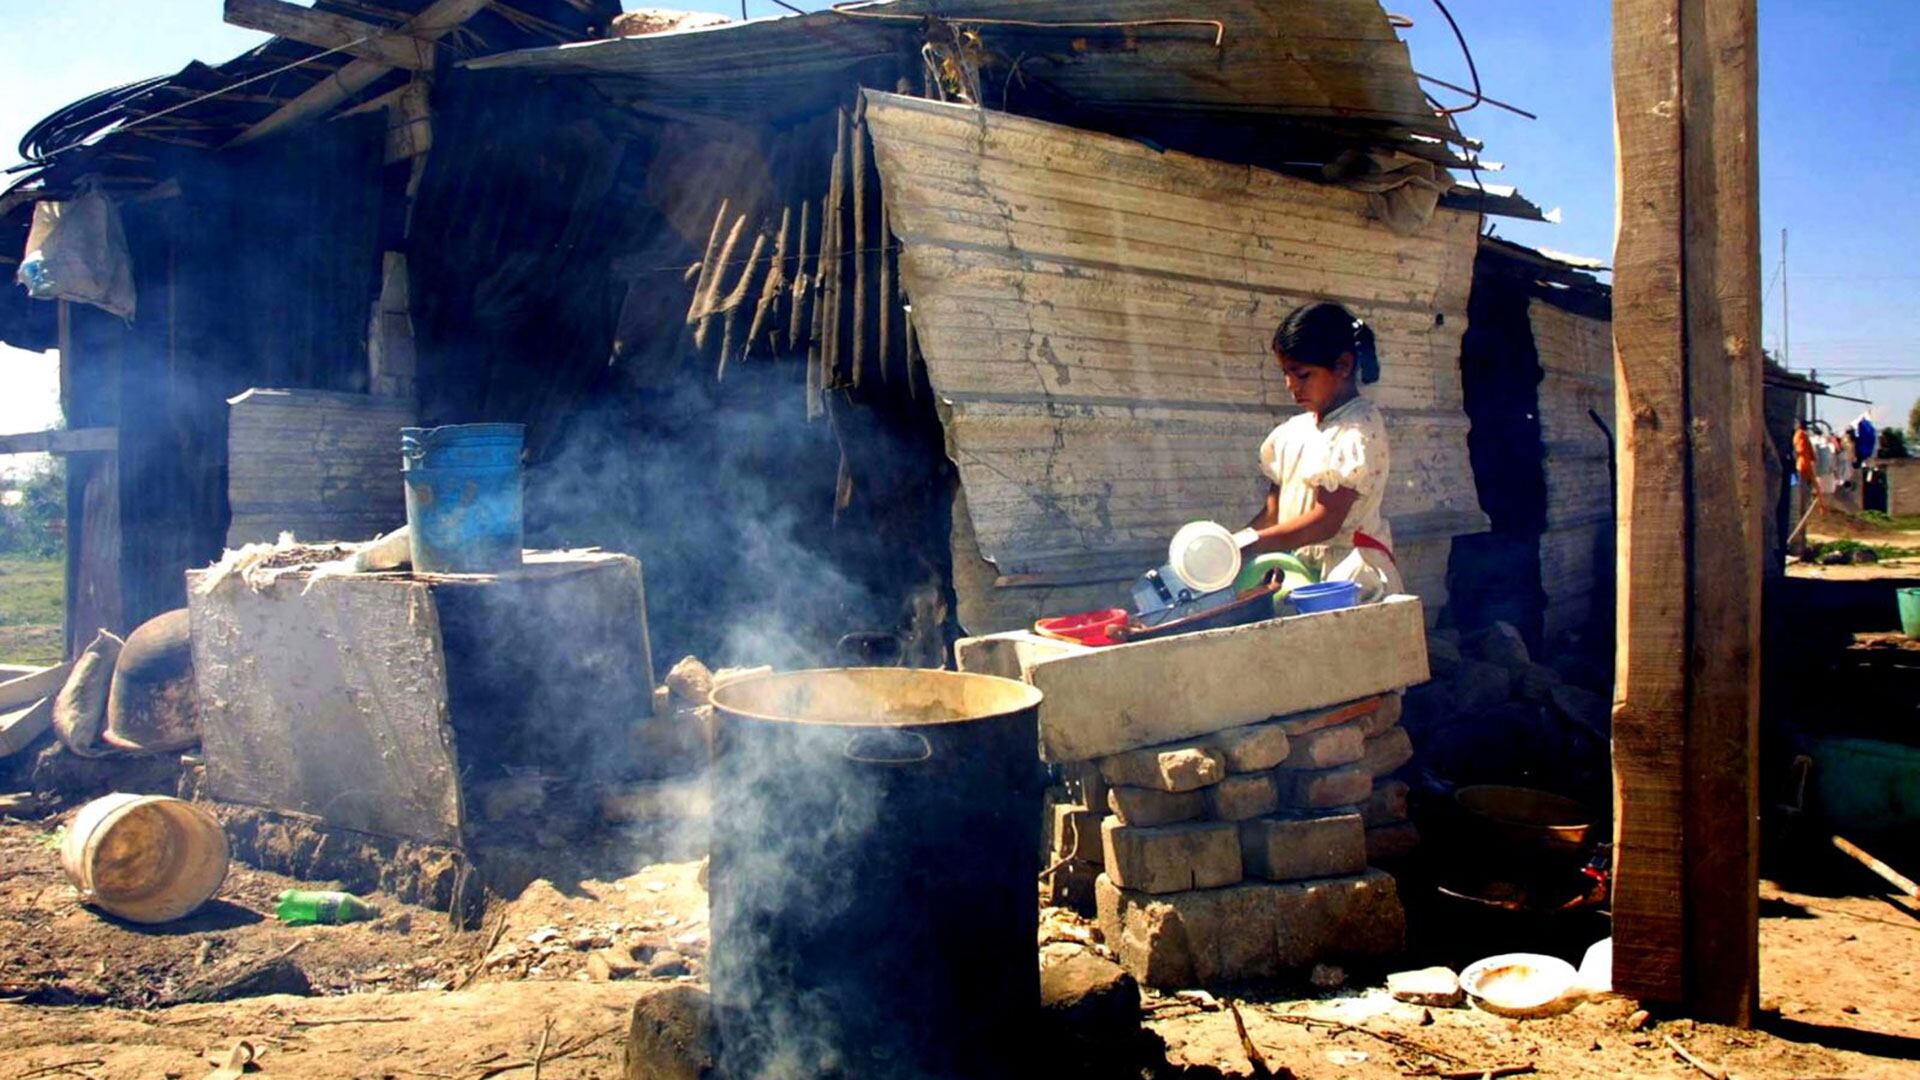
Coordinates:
(873, 869)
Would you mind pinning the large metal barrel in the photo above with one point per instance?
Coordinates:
(874, 908)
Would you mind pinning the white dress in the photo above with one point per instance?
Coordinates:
(1347, 448)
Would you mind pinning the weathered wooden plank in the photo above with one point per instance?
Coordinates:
(1727, 508)
(340, 87)
(70, 441)
(329, 31)
(1685, 331)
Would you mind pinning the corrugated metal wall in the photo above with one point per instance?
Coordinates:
(1094, 315)
(1576, 361)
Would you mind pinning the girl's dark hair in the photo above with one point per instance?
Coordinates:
(1319, 334)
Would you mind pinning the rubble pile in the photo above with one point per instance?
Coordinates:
(1244, 853)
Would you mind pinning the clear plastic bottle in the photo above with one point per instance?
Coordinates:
(303, 907)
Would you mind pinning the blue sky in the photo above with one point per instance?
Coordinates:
(1840, 121)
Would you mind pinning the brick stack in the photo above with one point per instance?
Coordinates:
(1244, 853)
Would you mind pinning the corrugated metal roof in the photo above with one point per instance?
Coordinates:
(1334, 64)
(1094, 316)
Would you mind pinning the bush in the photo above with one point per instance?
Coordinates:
(33, 512)
(1893, 443)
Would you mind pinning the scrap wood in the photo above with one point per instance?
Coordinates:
(499, 928)
(1475, 1074)
(1400, 1041)
(1704, 1066)
(61, 1067)
(1255, 1060)
(1886, 873)
(564, 1050)
(540, 1055)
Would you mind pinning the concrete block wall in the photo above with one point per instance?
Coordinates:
(1247, 852)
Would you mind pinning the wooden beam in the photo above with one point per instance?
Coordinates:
(342, 85)
(1692, 482)
(366, 40)
(77, 441)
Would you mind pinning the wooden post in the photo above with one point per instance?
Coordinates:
(1692, 479)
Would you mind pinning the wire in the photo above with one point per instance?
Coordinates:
(1463, 90)
(851, 9)
(210, 95)
(790, 7)
(1471, 68)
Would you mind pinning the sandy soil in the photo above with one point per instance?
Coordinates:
(1835, 989)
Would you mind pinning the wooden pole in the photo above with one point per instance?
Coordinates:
(1692, 479)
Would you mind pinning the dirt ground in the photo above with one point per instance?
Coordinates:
(84, 994)
(1836, 974)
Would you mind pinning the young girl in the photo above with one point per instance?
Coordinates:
(1329, 464)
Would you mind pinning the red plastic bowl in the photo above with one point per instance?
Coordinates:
(1087, 628)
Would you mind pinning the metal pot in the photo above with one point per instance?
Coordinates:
(873, 874)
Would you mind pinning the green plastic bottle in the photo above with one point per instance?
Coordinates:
(304, 907)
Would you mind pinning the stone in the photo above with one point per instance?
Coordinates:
(1387, 753)
(1500, 644)
(1167, 768)
(670, 1036)
(1321, 789)
(1258, 929)
(1583, 707)
(667, 964)
(1238, 798)
(1443, 656)
(1391, 843)
(1300, 724)
(1254, 748)
(1172, 858)
(1480, 685)
(1379, 721)
(1146, 806)
(690, 681)
(1085, 991)
(1387, 805)
(1104, 701)
(1285, 848)
(1448, 634)
(1076, 833)
(607, 965)
(1433, 986)
(1089, 787)
(1535, 682)
(1328, 977)
(1327, 748)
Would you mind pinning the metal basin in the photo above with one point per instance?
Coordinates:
(1528, 821)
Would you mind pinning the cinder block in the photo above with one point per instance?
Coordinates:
(1387, 753)
(1322, 789)
(1071, 886)
(1258, 929)
(1254, 748)
(1387, 805)
(1300, 724)
(1186, 767)
(1089, 787)
(1238, 798)
(1377, 722)
(1391, 843)
(1150, 806)
(1076, 834)
(1298, 848)
(1103, 701)
(1172, 858)
(1328, 748)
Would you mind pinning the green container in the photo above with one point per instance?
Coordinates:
(1909, 612)
(303, 907)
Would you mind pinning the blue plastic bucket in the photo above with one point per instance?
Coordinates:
(463, 497)
(1324, 596)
